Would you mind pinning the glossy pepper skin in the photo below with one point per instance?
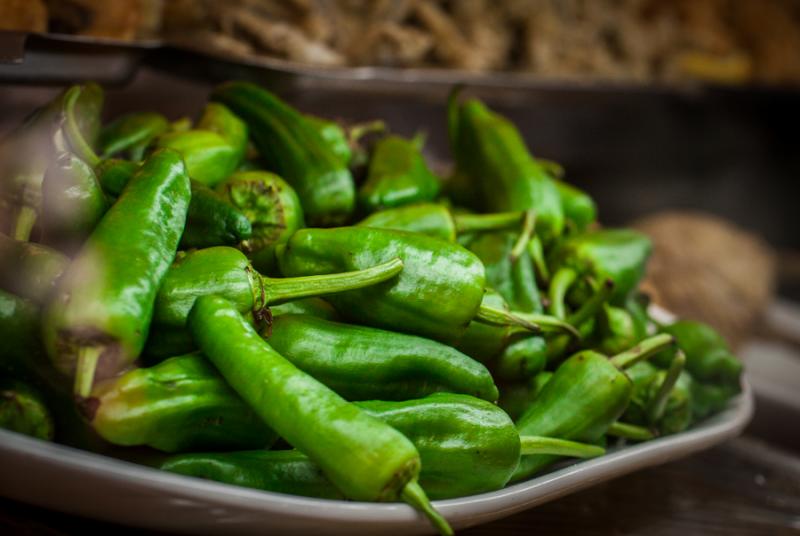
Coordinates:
(272, 208)
(617, 254)
(218, 118)
(209, 158)
(23, 410)
(333, 134)
(211, 220)
(585, 395)
(131, 134)
(72, 201)
(491, 157)
(29, 270)
(227, 272)
(295, 150)
(397, 176)
(579, 208)
(363, 363)
(178, 405)
(467, 446)
(436, 295)
(438, 221)
(98, 319)
(364, 457)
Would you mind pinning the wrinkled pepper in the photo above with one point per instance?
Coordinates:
(295, 150)
(364, 457)
(97, 322)
(363, 363)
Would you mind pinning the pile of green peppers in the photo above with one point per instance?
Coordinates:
(160, 289)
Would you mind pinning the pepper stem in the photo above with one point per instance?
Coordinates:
(74, 135)
(657, 406)
(560, 447)
(499, 317)
(644, 350)
(562, 280)
(470, 223)
(26, 219)
(415, 496)
(549, 323)
(84, 372)
(528, 226)
(592, 306)
(536, 251)
(630, 431)
(280, 290)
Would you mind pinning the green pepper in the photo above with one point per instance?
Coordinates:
(178, 405)
(467, 446)
(295, 150)
(218, 118)
(97, 321)
(362, 363)
(23, 410)
(397, 176)
(708, 357)
(72, 200)
(587, 393)
(209, 158)
(660, 399)
(492, 159)
(271, 206)
(227, 272)
(579, 208)
(618, 328)
(131, 134)
(616, 254)
(211, 220)
(333, 134)
(438, 221)
(306, 306)
(516, 397)
(709, 398)
(365, 458)
(437, 294)
(19, 331)
(29, 270)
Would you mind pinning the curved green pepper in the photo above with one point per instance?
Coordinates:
(491, 158)
(618, 328)
(113, 175)
(180, 404)
(397, 175)
(29, 270)
(364, 457)
(227, 272)
(294, 149)
(579, 208)
(439, 221)
(98, 319)
(333, 134)
(218, 118)
(616, 254)
(208, 156)
(131, 134)
(271, 206)
(72, 200)
(587, 393)
(437, 294)
(23, 410)
(362, 363)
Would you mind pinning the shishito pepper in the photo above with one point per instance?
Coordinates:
(28, 269)
(516, 397)
(438, 293)
(492, 159)
(616, 254)
(660, 399)
(131, 134)
(178, 405)
(23, 410)
(579, 208)
(467, 446)
(587, 393)
(271, 206)
(98, 319)
(439, 221)
(227, 272)
(364, 457)
(211, 220)
(344, 141)
(397, 176)
(619, 328)
(363, 363)
(294, 148)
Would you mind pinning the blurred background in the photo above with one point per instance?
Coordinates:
(679, 117)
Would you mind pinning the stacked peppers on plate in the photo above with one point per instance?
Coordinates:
(226, 294)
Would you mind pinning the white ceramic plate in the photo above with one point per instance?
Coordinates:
(78, 482)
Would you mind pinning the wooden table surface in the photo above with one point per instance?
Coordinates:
(742, 487)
